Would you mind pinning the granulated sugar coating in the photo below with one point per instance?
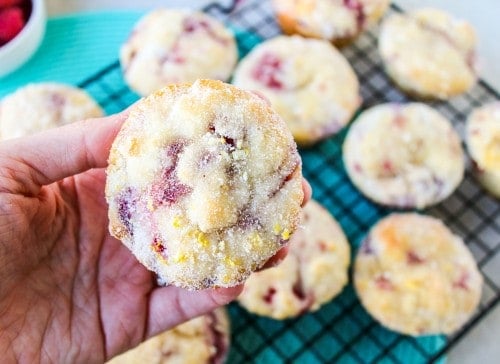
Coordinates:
(173, 46)
(314, 271)
(40, 106)
(405, 156)
(204, 184)
(308, 82)
(414, 276)
(483, 142)
(428, 53)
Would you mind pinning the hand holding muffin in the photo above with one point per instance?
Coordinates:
(58, 253)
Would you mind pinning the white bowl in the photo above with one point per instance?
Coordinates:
(16, 52)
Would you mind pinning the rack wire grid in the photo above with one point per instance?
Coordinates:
(342, 331)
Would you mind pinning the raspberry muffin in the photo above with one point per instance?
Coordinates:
(428, 53)
(41, 106)
(175, 46)
(415, 277)
(203, 340)
(404, 156)
(314, 271)
(338, 21)
(483, 143)
(198, 179)
(308, 82)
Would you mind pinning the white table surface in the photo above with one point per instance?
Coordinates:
(482, 344)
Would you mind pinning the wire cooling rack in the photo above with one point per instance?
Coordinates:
(342, 331)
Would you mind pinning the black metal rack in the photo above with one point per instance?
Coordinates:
(342, 331)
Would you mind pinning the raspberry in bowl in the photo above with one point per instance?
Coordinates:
(22, 25)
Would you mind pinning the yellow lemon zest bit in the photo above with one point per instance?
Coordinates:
(285, 235)
(177, 221)
(181, 258)
(229, 262)
(202, 239)
(277, 228)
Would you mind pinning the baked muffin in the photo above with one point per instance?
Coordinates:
(428, 53)
(308, 82)
(41, 106)
(203, 340)
(313, 272)
(174, 46)
(404, 155)
(338, 21)
(198, 179)
(483, 143)
(415, 277)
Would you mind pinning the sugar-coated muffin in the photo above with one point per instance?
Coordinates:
(338, 21)
(313, 272)
(41, 106)
(174, 46)
(415, 277)
(204, 184)
(428, 53)
(404, 155)
(203, 340)
(483, 143)
(308, 82)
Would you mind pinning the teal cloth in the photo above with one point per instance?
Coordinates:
(76, 47)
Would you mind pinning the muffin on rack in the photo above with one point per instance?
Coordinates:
(308, 82)
(314, 271)
(204, 184)
(404, 155)
(203, 340)
(41, 106)
(338, 21)
(483, 142)
(428, 53)
(415, 277)
(173, 46)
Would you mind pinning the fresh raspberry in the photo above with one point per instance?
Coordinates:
(11, 23)
(9, 3)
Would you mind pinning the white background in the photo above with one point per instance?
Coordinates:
(482, 345)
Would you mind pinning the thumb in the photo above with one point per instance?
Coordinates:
(30, 162)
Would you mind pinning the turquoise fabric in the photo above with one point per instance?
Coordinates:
(76, 47)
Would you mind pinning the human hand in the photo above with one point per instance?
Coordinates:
(69, 291)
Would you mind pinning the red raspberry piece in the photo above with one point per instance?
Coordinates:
(127, 201)
(11, 23)
(357, 8)
(267, 70)
(192, 25)
(384, 283)
(268, 297)
(463, 281)
(413, 259)
(169, 189)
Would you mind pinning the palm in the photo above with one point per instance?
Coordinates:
(71, 270)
